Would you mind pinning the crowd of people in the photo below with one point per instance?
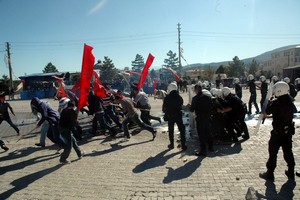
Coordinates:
(220, 116)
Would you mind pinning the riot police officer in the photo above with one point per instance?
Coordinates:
(202, 105)
(263, 90)
(172, 106)
(237, 87)
(252, 99)
(281, 110)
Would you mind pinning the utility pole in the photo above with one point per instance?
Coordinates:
(179, 48)
(10, 71)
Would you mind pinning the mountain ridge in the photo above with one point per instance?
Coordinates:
(259, 58)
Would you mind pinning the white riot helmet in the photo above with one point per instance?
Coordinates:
(219, 93)
(171, 87)
(297, 81)
(281, 88)
(274, 79)
(287, 80)
(63, 103)
(206, 92)
(250, 77)
(262, 78)
(225, 91)
(214, 92)
(236, 80)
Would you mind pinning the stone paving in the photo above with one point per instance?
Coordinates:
(138, 168)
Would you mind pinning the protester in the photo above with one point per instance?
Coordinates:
(142, 102)
(172, 106)
(4, 114)
(52, 116)
(67, 124)
(96, 108)
(132, 115)
(281, 109)
(44, 130)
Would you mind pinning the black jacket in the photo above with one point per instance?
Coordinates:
(282, 110)
(172, 104)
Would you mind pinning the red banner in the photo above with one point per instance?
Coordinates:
(76, 86)
(174, 73)
(154, 86)
(145, 70)
(88, 61)
(135, 73)
(61, 88)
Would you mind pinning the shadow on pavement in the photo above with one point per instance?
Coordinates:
(225, 150)
(23, 182)
(19, 153)
(286, 190)
(115, 147)
(182, 172)
(156, 161)
(23, 164)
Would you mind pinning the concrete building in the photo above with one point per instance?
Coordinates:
(282, 59)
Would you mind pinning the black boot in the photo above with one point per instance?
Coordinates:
(4, 147)
(267, 175)
(290, 174)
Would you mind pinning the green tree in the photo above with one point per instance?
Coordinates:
(236, 68)
(171, 61)
(221, 69)
(4, 84)
(138, 64)
(50, 68)
(153, 74)
(107, 70)
(253, 67)
(210, 73)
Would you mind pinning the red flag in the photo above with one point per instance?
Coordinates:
(154, 86)
(136, 73)
(88, 61)
(76, 86)
(61, 88)
(99, 90)
(145, 70)
(174, 73)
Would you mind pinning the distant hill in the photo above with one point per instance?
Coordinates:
(260, 59)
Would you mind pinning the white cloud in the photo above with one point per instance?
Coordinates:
(97, 7)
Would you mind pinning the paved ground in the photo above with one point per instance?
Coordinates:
(137, 168)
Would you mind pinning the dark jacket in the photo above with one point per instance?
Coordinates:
(238, 90)
(282, 110)
(68, 118)
(172, 104)
(47, 112)
(264, 88)
(95, 104)
(202, 105)
(252, 87)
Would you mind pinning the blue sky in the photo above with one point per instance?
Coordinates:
(43, 31)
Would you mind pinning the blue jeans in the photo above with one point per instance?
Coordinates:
(102, 121)
(44, 130)
(70, 142)
(110, 112)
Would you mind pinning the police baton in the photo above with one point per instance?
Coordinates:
(22, 136)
